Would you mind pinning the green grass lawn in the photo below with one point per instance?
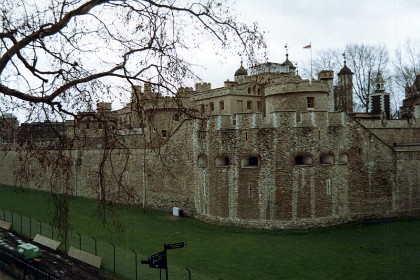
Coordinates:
(386, 250)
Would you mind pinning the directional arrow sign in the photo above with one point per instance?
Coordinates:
(174, 245)
(158, 260)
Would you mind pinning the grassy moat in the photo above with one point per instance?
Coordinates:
(374, 250)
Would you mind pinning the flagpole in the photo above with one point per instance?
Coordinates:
(310, 43)
(309, 47)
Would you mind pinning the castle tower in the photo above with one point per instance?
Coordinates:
(343, 93)
(241, 74)
(379, 100)
(412, 99)
(288, 63)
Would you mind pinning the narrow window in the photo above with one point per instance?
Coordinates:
(164, 133)
(249, 90)
(234, 120)
(221, 105)
(250, 189)
(211, 106)
(259, 106)
(249, 105)
(202, 108)
(259, 91)
(311, 102)
(328, 186)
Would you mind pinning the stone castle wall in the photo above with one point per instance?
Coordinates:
(280, 193)
(288, 170)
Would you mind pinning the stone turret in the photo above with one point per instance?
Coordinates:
(202, 87)
(411, 103)
(379, 99)
(343, 93)
(241, 74)
(288, 63)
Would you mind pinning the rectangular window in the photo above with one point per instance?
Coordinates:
(164, 133)
(328, 185)
(211, 106)
(202, 108)
(259, 106)
(250, 189)
(311, 102)
(234, 120)
(249, 105)
(221, 105)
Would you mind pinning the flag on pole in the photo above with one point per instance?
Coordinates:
(307, 47)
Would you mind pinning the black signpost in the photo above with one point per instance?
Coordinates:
(160, 260)
(174, 245)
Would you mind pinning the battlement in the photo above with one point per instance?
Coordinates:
(411, 123)
(202, 87)
(211, 93)
(302, 86)
(275, 120)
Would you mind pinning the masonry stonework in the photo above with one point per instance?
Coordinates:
(269, 150)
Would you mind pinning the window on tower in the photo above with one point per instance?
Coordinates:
(310, 102)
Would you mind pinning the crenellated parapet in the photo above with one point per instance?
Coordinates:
(202, 87)
(296, 87)
(275, 119)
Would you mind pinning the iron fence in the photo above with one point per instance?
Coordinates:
(124, 262)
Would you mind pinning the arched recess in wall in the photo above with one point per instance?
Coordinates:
(222, 161)
(202, 161)
(343, 158)
(303, 160)
(250, 161)
(327, 159)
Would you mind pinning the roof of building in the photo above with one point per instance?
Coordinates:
(241, 71)
(287, 62)
(345, 70)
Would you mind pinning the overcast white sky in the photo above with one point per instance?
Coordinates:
(324, 23)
